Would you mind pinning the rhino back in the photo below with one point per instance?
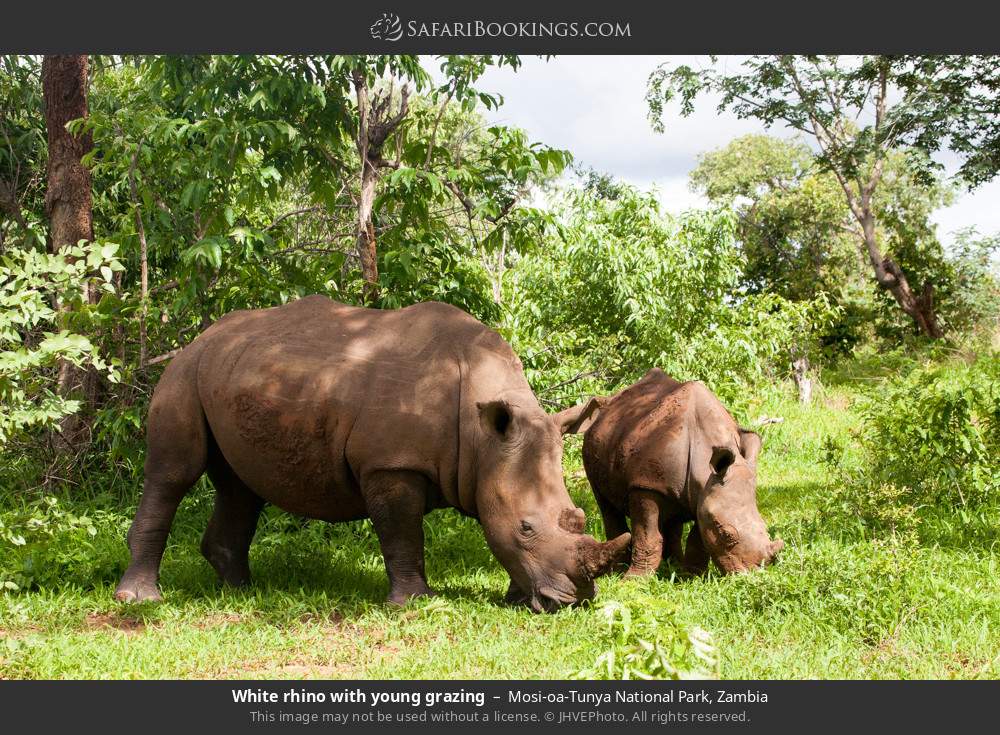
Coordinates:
(304, 399)
(641, 438)
(659, 435)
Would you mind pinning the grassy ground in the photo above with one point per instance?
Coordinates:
(835, 606)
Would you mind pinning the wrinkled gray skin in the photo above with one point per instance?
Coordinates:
(664, 453)
(339, 413)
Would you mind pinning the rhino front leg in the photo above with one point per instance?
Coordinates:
(695, 557)
(644, 507)
(396, 503)
(614, 519)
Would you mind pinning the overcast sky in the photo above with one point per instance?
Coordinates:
(594, 107)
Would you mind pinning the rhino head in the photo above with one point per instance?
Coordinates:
(731, 527)
(529, 520)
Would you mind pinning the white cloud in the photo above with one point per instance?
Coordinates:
(594, 106)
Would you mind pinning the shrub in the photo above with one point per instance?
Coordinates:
(928, 446)
(43, 544)
(642, 639)
(35, 338)
(625, 287)
(936, 433)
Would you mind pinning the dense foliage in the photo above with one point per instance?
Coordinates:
(929, 442)
(624, 287)
(37, 295)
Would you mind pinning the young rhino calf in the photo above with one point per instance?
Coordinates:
(664, 453)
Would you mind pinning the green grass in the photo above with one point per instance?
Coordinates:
(835, 606)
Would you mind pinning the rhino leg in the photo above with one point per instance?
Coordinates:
(673, 546)
(614, 519)
(396, 502)
(695, 557)
(226, 543)
(644, 508)
(176, 456)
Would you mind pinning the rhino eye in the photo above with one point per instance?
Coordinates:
(527, 529)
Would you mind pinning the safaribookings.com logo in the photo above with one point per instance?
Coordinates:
(387, 28)
(390, 28)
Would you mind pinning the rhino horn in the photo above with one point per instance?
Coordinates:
(598, 558)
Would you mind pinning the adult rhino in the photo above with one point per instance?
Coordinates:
(663, 453)
(340, 413)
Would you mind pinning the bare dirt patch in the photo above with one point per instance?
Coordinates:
(122, 623)
(333, 618)
(331, 651)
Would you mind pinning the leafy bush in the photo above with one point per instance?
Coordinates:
(936, 432)
(973, 300)
(30, 282)
(625, 287)
(42, 544)
(642, 639)
(435, 270)
(928, 447)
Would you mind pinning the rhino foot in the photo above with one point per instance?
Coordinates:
(137, 589)
(400, 596)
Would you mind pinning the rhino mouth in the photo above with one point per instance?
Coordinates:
(732, 563)
(550, 598)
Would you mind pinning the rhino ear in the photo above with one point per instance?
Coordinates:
(578, 419)
(496, 418)
(722, 458)
(750, 443)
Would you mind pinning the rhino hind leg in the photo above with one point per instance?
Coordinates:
(396, 502)
(176, 456)
(226, 543)
(644, 508)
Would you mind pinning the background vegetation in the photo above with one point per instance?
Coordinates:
(813, 295)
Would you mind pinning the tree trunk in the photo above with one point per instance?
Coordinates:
(800, 370)
(68, 201)
(140, 229)
(375, 124)
(367, 254)
(501, 268)
(365, 230)
(890, 276)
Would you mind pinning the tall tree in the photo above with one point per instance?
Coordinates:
(954, 101)
(68, 199)
(793, 225)
(797, 232)
(376, 123)
(853, 109)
